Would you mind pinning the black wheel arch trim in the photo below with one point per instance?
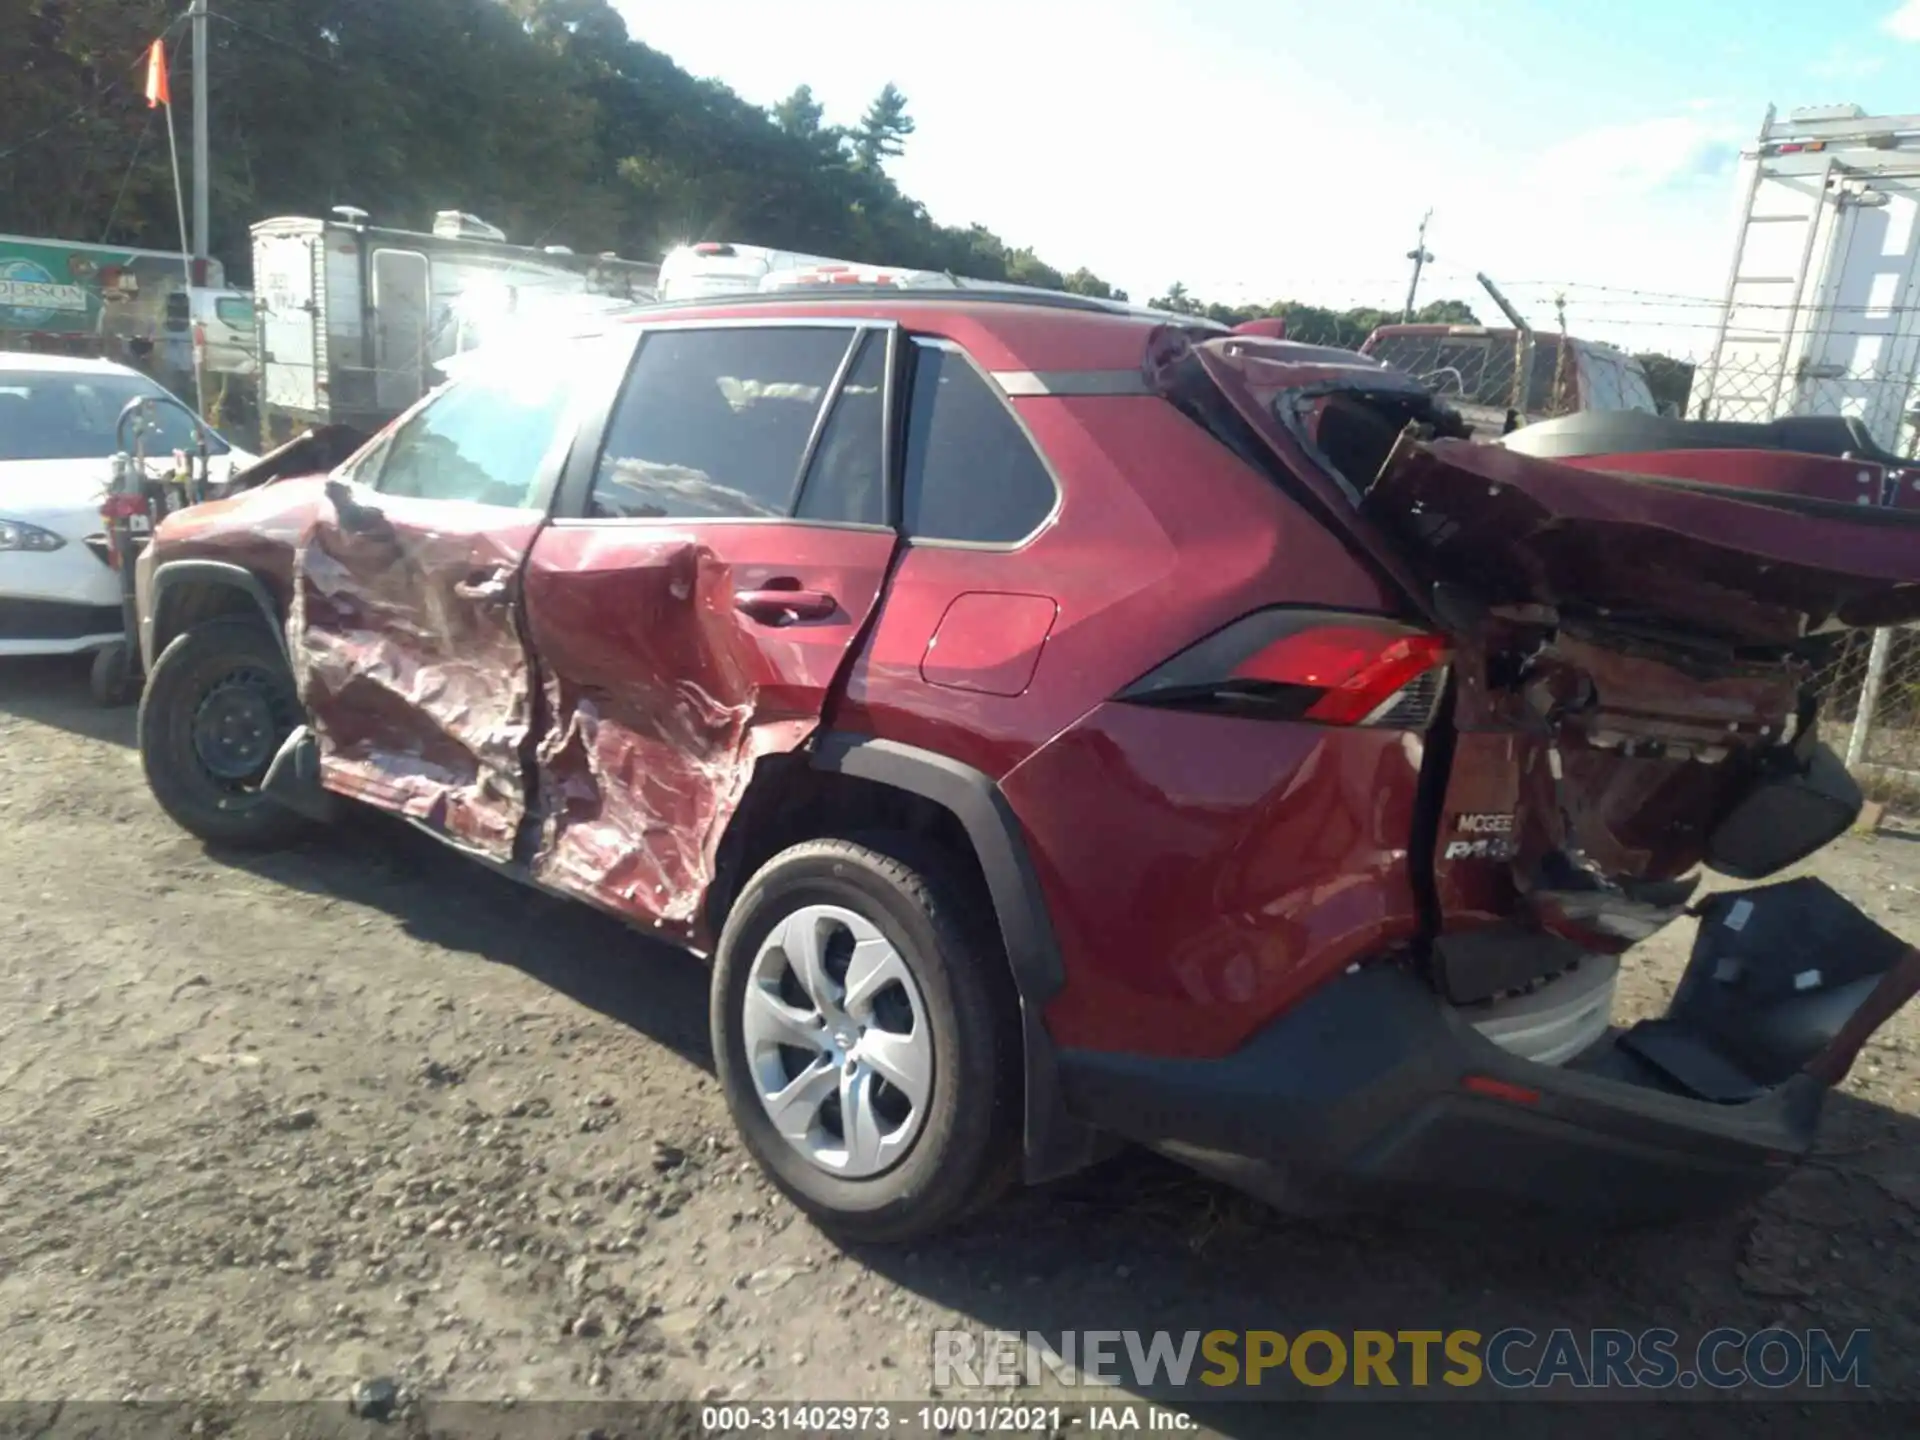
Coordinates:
(175, 573)
(1055, 1144)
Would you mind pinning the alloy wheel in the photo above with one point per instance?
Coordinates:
(838, 1042)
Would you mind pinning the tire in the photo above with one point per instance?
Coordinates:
(229, 654)
(111, 677)
(963, 1150)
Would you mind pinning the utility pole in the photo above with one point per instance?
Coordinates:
(1420, 256)
(202, 180)
(1565, 358)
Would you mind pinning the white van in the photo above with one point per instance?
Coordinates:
(223, 322)
(220, 325)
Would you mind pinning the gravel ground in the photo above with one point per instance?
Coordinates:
(274, 1126)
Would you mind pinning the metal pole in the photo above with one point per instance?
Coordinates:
(1869, 697)
(1419, 255)
(1561, 360)
(202, 180)
(180, 204)
(1522, 344)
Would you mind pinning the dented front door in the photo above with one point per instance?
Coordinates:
(404, 628)
(712, 567)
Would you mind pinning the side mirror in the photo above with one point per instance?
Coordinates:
(355, 518)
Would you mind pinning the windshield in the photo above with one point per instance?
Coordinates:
(68, 416)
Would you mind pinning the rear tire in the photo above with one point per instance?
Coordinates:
(944, 1023)
(217, 708)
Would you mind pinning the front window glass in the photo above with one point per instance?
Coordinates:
(489, 437)
(56, 415)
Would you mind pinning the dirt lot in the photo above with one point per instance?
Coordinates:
(270, 1127)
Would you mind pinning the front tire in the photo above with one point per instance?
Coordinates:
(866, 1038)
(217, 708)
(111, 676)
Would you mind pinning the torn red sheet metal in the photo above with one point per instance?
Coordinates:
(1603, 759)
(409, 661)
(666, 677)
(1715, 560)
(1769, 472)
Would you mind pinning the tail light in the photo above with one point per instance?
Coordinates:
(1306, 665)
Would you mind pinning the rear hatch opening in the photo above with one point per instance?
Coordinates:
(1629, 705)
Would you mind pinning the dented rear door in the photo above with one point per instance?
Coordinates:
(404, 629)
(719, 548)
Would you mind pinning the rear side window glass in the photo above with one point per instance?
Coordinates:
(971, 474)
(715, 423)
(847, 479)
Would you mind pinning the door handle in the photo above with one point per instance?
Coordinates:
(486, 587)
(783, 607)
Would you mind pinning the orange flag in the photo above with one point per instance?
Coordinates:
(158, 92)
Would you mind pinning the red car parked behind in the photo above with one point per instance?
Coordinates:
(1065, 724)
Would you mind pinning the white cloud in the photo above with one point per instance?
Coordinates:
(1904, 23)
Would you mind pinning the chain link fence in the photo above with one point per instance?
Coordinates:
(1546, 374)
(1870, 706)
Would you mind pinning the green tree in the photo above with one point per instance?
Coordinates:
(544, 116)
(1084, 282)
(1446, 312)
(882, 132)
(799, 114)
(1177, 300)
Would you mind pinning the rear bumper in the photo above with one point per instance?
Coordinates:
(1373, 1091)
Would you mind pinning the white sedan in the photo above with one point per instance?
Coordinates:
(58, 594)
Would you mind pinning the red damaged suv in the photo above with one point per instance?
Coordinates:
(1066, 725)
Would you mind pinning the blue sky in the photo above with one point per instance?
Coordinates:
(1257, 149)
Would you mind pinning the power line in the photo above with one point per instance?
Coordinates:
(278, 41)
(82, 109)
(139, 145)
(60, 124)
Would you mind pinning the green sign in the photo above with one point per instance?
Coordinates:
(85, 290)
